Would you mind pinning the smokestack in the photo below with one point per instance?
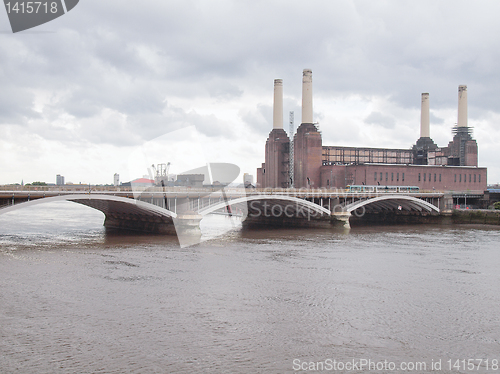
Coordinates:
(307, 100)
(278, 104)
(424, 117)
(462, 106)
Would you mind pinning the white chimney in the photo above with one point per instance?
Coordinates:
(307, 100)
(278, 104)
(462, 106)
(424, 117)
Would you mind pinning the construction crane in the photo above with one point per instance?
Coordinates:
(160, 176)
(160, 173)
(291, 152)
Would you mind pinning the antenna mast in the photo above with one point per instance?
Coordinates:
(291, 156)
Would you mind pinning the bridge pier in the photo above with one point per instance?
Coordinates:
(187, 227)
(342, 217)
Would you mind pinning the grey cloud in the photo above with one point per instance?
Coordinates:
(125, 97)
(435, 120)
(16, 106)
(377, 118)
(133, 59)
(260, 119)
(224, 90)
(366, 50)
(211, 126)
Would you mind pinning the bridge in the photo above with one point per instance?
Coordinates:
(168, 210)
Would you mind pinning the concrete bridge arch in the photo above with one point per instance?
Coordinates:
(285, 202)
(120, 212)
(391, 202)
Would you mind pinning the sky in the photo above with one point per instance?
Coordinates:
(83, 95)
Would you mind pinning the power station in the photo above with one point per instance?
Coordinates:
(424, 165)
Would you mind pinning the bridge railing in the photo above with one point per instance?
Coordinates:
(318, 192)
(78, 187)
(96, 189)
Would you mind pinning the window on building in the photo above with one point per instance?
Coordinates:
(440, 177)
(434, 177)
(479, 178)
(381, 177)
(392, 177)
(465, 178)
(419, 177)
(397, 177)
(425, 177)
(403, 177)
(460, 179)
(429, 177)
(455, 178)
(470, 178)
(375, 178)
(474, 178)
(386, 177)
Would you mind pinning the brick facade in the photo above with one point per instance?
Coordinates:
(307, 156)
(447, 178)
(274, 172)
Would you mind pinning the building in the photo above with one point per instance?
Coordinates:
(190, 180)
(247, 180)
(59, 180)
(116, 179)
(142, 182)
(425, 165)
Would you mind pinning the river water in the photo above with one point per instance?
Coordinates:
(74, 299)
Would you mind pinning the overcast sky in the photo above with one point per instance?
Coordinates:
(83, 94)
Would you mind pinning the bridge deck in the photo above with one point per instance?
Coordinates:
(192, 193)
(158, 209)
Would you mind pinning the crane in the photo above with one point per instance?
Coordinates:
(160, 176)
(160, 173)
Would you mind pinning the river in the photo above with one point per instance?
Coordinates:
(75, 299)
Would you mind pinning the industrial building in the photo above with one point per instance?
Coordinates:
(306, 162)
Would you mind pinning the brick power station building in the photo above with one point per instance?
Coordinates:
(425, 165)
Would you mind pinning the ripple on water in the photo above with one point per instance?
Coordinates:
(77, 300)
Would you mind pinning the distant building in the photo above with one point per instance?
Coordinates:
(247, 180)
(59, 180)
(190, 180)
(142, 182)
(116, 179)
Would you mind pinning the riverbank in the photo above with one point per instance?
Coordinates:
(450, 217)
(476, 216)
